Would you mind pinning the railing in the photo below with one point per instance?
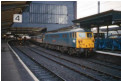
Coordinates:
(109, 43)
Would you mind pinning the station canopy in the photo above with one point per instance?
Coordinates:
(111, 29)
(27, 30)
(110, 17)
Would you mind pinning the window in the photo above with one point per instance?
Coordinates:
(74, 34)
(46, 36)
(64, 35)
(82, 35)
(54, 36)
(70, 35)
(48, 13)
(89, 35)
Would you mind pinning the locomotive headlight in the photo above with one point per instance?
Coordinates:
(4, 35)
(74, 41)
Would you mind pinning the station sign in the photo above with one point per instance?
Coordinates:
(17, 18)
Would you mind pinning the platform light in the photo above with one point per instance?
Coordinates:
(8, 33)
(113, 26)
(4, 35)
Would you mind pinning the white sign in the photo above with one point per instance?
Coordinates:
(17, 18)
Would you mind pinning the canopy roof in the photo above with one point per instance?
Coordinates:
(27, 30)
(102, 19)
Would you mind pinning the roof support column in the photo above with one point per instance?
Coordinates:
(16, 33)
(98, 28)
(107, 31)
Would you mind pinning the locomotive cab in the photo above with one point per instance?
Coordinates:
(85, 41)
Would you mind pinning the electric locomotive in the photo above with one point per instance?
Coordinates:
(73, 42)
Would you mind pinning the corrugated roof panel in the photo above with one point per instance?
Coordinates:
(50, 14)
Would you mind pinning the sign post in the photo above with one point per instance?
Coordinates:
(17, 18)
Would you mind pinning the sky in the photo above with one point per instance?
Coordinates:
(86, 8)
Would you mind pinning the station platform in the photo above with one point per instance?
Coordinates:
(11, 68)
(113, 53)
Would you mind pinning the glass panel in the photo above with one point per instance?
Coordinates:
(82, 35)
(48, 13)
(89, 35)
(75, 34)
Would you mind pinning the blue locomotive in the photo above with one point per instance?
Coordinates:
(72, 42)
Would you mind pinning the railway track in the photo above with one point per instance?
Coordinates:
(92, 60)
(65, 66)
(42, 73)
(108, 74)
(106, 64)
(99, 62)
(89, 70)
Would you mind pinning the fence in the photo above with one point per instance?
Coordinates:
(112, 44)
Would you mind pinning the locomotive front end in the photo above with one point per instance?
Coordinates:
(85, 42)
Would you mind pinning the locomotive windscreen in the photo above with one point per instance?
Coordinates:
(82, 35)
(89, 35)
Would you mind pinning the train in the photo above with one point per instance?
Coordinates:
(77, 42)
